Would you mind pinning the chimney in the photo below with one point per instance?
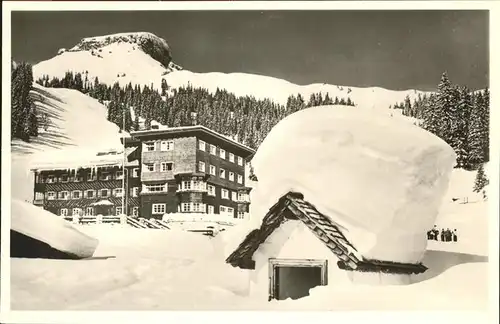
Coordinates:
(194, 120)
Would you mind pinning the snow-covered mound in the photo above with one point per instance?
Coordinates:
(46, 227)
(140, 58)
(145, 59)
(73, 128)
(381, 180)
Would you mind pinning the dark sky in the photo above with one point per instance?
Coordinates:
(391, 49)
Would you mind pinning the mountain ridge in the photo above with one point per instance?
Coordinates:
(145, 59)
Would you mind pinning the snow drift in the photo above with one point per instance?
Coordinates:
(381, 180)
(44, 226)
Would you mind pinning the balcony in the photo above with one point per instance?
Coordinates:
(192, 186)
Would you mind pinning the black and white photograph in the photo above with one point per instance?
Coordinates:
(248, 159)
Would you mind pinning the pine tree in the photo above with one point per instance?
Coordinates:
(459, 136)
(481, 179)
(407, 106)
(164, 87)
(24, 123)
(486, 125)
(478, 133)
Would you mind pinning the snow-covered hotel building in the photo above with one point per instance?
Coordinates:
(178, 170)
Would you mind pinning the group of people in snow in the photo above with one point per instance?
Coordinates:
(445, 235)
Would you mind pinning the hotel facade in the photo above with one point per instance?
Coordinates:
(180, 170)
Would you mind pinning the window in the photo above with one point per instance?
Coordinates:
(51, 195)
(210, 209)
(212, 170)
(230, 211)
(211, 190)
(225, 193)
(104, 192)
(234, 196)
(64, 178)
(38, 195)
(196, 207)
(158, 187)
(79, 178)
(167, 145)
(90, 193)
(167, 166)
(192, 207)
(39, 178)
(77, 212)
(186, 185)
(222, 153)
(202, 145)
(51, 179)
(240, 179)
(201, 166)
(89, 211)
(77, 194)
(199, 185)
(149, 146)
(213, 149)
(159, 209)
(64, 195)
(223, 209)
(119, 175)
(63, 212)
(222, 173)
(240, 160)
(149, 167)
(118, 211)
(241, 215)
(135, 172)
(105, 176)
(118, 192)
(242, 196)
(92, 177)
(135, 192)
(185, 207)
(231, 176)
(135, 211)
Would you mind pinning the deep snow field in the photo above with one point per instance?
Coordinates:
(142, 269)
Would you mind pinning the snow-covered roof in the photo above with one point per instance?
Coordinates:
(292, 206)
(76, 159)
(182, 129)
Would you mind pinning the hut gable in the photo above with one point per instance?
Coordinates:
(292, 206)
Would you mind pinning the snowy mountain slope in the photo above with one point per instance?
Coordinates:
(140, 58)
(71, 119)
(278, 90)
(77, 129)
(121, 58)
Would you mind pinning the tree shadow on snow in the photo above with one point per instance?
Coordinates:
(438, 262)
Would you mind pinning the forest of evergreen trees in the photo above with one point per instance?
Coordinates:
(458, 116)
(247, 119)
(24, 124)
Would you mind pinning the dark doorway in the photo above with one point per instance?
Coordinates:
(294, 278)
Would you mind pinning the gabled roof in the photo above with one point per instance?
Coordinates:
(292, 206)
